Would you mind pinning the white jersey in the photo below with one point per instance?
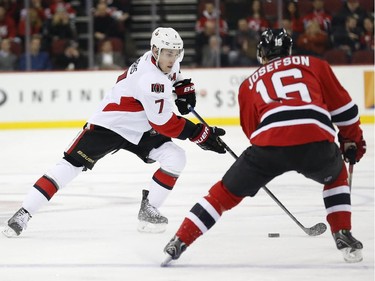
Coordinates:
(143, 94)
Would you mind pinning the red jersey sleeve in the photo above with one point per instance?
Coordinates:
(343, 110)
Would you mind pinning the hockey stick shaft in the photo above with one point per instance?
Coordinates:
(350, 151)
(315, 230)
(350, 177)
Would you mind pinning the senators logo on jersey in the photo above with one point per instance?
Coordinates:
(157, 88)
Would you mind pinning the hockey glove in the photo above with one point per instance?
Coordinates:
(352, 151)
(185, 92)
(207, 138)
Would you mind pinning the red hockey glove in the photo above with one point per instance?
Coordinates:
(207, 138)
(185, 92)
(352, 151)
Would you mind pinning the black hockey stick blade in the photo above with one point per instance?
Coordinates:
(316, 230)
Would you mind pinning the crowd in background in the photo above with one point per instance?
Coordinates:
(54, 34)
(315, 32)
(54, 43)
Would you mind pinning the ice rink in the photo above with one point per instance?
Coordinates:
(88, 230)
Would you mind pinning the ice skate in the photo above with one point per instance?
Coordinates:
(17, 223)
(173, 250)
(150, 219)
(349, 246)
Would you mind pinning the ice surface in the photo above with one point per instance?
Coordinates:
(88, 230)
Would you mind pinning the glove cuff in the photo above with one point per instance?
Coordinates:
(201, 134)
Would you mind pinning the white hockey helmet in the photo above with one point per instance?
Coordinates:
(167, 38)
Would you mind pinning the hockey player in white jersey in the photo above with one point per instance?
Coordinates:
(136, 115)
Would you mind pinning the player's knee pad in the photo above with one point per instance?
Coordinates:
(63, 173)
(171, 157)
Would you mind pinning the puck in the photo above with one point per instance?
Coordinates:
(273, 235)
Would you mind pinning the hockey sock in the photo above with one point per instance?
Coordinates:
(207, 212)
(46, 187)
(33, 201)
(337, 202)
(161, 185)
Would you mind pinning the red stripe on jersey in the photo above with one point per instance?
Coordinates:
(164, 180)
(46, 186)
(172, 128)
(128, 104)
(122, 76)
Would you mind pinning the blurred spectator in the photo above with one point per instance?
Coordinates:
(104, 24)
(244, 45)
(120, 11)
(320, 15)
(8, 27)
(40, 7)
(313, 41)
(60, 26)
(202, 40)
(367, 38)
(12, 8)
(210, 13)
(347, 37)
(109, 59)
(40, 60)
(211, 51)
(257, 20)
(349, 8)
(71, 59)
(8, 60)
(291, 13)
(57, 5)
(35, 23)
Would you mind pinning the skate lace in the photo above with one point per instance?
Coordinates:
(152, 211)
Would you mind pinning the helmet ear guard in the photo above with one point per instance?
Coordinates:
(274, 43)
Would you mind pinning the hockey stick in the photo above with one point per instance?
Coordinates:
(315, 230)
(351, 152)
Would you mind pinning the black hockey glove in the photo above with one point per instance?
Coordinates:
(207, 138)
(185, 92)
(352, 151)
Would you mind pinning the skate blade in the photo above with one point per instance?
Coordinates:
(352, 256)
(9, 232)
(147, 227)
(166, 262)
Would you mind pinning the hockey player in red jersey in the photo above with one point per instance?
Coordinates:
(137, 116)
(287, 110)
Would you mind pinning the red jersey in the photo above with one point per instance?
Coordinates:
(295, 100)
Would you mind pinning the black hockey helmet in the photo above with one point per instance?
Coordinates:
(274, 43)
